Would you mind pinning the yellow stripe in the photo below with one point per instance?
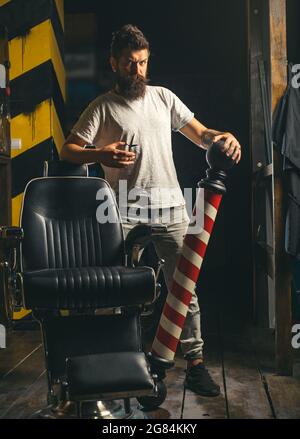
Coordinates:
(37, 127)
(61, 13)
(16, 208)
(32, 129)
(37, 47)
(3, 2)
(57, 132)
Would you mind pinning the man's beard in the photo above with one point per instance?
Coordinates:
(131, 87)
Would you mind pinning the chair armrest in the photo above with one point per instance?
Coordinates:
(141, 235)
(11, 288)
(10, 243)
(10, 233)
(138, 238)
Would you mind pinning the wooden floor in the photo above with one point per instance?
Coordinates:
(250, 388)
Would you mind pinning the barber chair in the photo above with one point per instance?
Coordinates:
(84, 285)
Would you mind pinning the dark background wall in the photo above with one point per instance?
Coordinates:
(199, 51)
(293, 31)
(293, 41)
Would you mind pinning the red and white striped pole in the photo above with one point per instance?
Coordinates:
(189, 262)
(184, 281)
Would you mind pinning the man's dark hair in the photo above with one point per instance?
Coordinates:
(128, 37)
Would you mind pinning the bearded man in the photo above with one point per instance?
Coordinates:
(133, 112)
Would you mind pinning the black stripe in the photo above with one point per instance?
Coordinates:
(19, 16)
(30, 164)
(58, 31)
(34, 87)
(54, 151)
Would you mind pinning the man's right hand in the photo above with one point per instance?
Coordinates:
(113, 156)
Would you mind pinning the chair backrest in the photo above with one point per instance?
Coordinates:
(61, 168)
(61, 229)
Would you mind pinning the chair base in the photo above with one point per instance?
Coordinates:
(89, 410)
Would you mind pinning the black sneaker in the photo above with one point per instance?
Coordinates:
(199, 381)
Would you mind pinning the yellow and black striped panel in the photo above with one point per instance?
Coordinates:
(20, 16)
(37, 82)
(37, 79)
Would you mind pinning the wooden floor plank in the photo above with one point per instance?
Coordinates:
(33, 399)
(14, 384)
(18, 346)
(199, 407)
(171, 408)
(195, 406)
(246, 395)
(285, 393)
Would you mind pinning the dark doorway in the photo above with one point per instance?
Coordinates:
(200, 53)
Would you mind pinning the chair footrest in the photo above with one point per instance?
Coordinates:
(109, 376)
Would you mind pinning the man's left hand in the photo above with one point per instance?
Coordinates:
(231, 148)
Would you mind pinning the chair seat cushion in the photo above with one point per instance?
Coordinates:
(108, 375)
(88, 287)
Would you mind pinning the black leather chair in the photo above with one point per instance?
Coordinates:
(84, 285)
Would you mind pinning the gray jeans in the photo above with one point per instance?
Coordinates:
(168, 247)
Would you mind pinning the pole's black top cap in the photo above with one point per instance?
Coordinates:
(216, 157)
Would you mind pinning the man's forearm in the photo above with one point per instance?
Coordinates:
(199, 133)
(77, 154)
(207, 137)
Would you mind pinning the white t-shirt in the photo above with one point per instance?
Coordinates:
(146, 122)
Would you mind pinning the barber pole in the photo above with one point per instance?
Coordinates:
(190, 261)
(184, 281)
